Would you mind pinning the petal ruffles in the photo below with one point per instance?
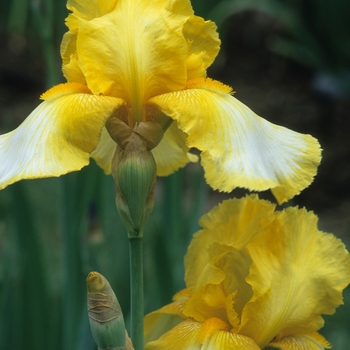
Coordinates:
(136, 51)
(300, 278)
(240, 149)
(270, 280)
(57, 137)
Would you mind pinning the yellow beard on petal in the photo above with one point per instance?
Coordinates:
(209, 327)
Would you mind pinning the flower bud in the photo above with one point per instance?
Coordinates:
(134, 171)
(105, 315)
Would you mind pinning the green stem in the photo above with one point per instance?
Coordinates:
(136, 279)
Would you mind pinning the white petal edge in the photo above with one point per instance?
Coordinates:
(240, 149)
(56, 138)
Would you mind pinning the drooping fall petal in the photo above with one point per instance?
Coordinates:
(57, 137)
(240, 149)
(212, 334)
(308, 342)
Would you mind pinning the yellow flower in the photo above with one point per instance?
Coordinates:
(139, 61)
(255, 279)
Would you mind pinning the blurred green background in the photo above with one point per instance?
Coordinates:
(289, 60)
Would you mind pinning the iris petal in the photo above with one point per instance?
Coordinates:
(92, 8)
(161, 321)
(223, 340)
(172, 152)
(104, 152)
(301, 277)
(183, 336)
(309, 342)
(203, 46)
(57, 137)
(234, 223)
(190, 335)
(147, 57)
(240, 149)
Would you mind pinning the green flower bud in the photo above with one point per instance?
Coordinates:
(134, 171)
(105, 315)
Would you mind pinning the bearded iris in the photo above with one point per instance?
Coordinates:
(141, 61)
(255, 279)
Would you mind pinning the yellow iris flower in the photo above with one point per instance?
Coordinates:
(140, 61)
(255, 279)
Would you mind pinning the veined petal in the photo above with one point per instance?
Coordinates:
(203, 46)
(298, 273)
(57, 137)
(125, 63)
(183, 336)
(309, 342)
(223, 340)
(240, 149)
(161, 321)
(213, 334)
(172, 152)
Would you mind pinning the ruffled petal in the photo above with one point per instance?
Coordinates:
(298, 273)
(240, 149)
(70, 61)
(172, 152)
(307, 342)
(203, 46)
(117, 50)
(223, 340)
(232, 223)
(57, 137)
(207, 302)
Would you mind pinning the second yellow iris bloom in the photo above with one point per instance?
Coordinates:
(255, 279)
(143, 61)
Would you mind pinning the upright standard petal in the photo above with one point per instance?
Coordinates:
(203, 46)
(234, 223)
(58, 136)
(240, 149)
(298, 273)
(136, 51)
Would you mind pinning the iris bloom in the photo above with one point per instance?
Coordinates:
(255, 279)
(140, 61)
